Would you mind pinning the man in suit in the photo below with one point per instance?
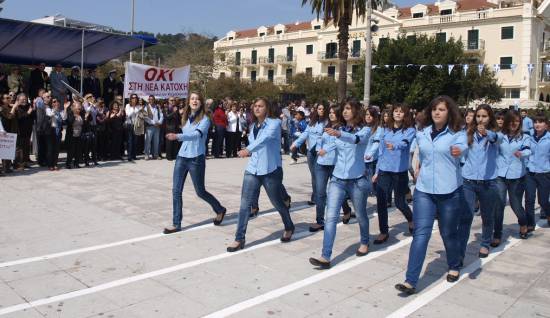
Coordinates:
(39, 79)
(109, 87)
(74, 80)
(92, 85)
(59, 91)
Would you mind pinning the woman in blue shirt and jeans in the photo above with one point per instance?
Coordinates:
(441, 142)
(263, 169)
(191, 160)
(348, 180)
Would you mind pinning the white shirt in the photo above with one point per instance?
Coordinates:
(1, 128)
(233, 121)
(131, 112)
(158, 117)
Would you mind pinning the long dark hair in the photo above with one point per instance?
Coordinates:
(407, 118)
(357, 110)
(454, 120)
(373, 112)
(339, 120)
(491, 125)
(314, 117)
(510, 116)
(187, 110)
(382, 122)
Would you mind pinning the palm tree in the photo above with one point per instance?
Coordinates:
(340, 12)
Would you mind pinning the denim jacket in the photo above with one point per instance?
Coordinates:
(265, 148)
(509, 166)
(312, 134)
(350, 150)
(193, 138)
(328, 144)
(539, 161)
(481, 157)
(397, 159)
(373, 145)
(440, 172)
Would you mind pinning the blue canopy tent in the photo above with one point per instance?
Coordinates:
(30, 43)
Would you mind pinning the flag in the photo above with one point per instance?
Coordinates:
(373, 67)
(465, 67)
(439, 66)
(513, 68)
(480, 68)
(450, 68)
(530, 68)
(389, 66)
(422, 66)
(496, 68)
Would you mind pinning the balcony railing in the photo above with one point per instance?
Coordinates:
(282, 80)
(545, 47)
(355, 54)
(474, 46)
(327, 56)
(266, 60)
(456, 17)
(286, 59)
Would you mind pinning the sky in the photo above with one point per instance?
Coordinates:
(212, 17)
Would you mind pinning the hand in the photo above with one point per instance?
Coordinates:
(416, 174)
(243, 153)
(389, 146)
(322, 152)
(368, 157)
(374, 178)
(517, 154)
(171, 136)
(482, 130)
(455, 151)
(333, 132)
(67, 104)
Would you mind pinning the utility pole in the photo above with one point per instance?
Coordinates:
(133, 16)
(368, 56)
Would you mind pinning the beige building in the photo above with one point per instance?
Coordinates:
(512, 34)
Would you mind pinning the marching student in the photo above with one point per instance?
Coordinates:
(326, 159)
(480, 174)
(392, 168)
(499, 116)
(527, 123)
(312, 134)
(191, 160)
(441, 142)
(264, 169)
(372, 120)
(348, 180)
(538, 175)
(513, 152)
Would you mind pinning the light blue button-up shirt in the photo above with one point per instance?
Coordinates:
(397, 159)
(350, 150)
(440, 172)
(312, 134)
(508, 165)
(193, 138)
(373, 145)
(539, 161)
(481, 157)
(527, 126)
(265, 148)
(328, 144)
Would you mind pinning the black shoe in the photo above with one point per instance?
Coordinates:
(310, 203)
(495, 243)
(287, 202)
(218, 222)
(316, 228)
(286, 239)
(381, 241)
(232, 249)
(170, 231)
(452, 278)
(360, 254)
(483, 255)
(254, 212)
(530, 229)
(318, 263)
(389, 205)
(523, 236)
(405, 289)
(346, 218)
(68, 167)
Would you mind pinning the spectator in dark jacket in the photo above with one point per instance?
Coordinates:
(92, 85)
(220, 121)
(39, 79)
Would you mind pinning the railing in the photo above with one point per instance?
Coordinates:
(324, 56)
(267, 60)
(282, 80)
(286, 59)
(472, 46)
(545, 47)
(456, 17)
(356, 54)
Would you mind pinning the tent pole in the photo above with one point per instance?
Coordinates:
(142, 50)
(82, 65)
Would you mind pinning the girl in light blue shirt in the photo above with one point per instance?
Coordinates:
(538, 175)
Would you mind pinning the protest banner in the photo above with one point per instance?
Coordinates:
(145, 80)
(7, 146)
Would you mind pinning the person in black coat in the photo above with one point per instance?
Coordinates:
(92, 85)
(172, 119)
(74, 80)
(38, 79)
(109, 87)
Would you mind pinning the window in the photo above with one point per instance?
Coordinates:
(473, 40)
(288, 74)
(446, 12)
(418, 15)
(230, 38)
(332, 50)
(254, 57)
(354, 72)
(289, 53)
(237, 75)
(271, 55)
(309, 49)
(262, 34)
(253, 76)
(411, 39)
(332, 71)
(238, 58)
(505, 62)
(270, 75)
(309, 71)
(356, 48)
(317, 27)
(511, 92)
(441, 37)
(279, 31)
(383, 41)
(222, 74)
(507, 33)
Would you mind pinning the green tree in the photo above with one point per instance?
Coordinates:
(314, 88)
(409, 83)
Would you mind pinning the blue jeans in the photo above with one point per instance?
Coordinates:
(194, 166)
(152, 135)
(399, 181)
(311, 162)
(537, 182)
(370, 169)
(449, 210)
(286, 141)
(338, 190)
(132, 143)
(515, 189)
(486, 191)
(272, 183)
(322, 176)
